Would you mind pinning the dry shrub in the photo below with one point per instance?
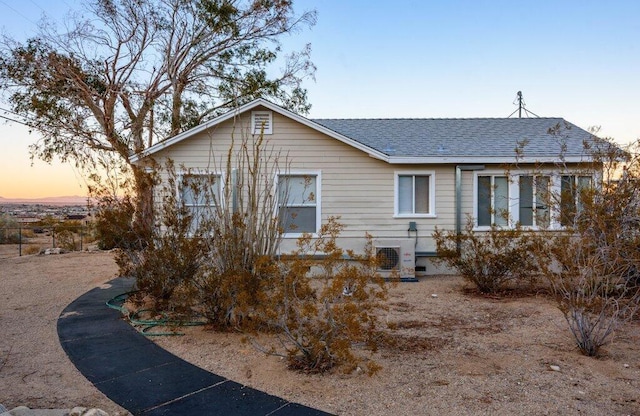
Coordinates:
(593, 292)
(28, 233)
(324, 307)
(31, 249)
(242, 233)
(113, 228)
(67, 240)
(593, 265)
(165, 267)
(488, 259)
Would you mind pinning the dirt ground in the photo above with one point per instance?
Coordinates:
(34, 370)
(459, 353)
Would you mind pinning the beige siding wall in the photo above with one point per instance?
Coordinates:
(356, 187)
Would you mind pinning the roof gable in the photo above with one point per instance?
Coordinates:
(260, 102)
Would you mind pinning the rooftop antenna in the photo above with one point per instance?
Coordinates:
(521, 107)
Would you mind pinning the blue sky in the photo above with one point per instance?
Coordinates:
(574, 59)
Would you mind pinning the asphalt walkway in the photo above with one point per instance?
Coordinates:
(145, 379)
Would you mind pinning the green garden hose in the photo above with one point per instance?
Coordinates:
(145, 325)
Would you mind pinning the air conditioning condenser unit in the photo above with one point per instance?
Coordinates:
(396, 259)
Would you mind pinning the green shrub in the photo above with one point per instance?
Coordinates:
(67, 240)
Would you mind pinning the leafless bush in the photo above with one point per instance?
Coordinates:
(243, 232)
(593, 264)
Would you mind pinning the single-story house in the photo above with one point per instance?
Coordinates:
(399, 179)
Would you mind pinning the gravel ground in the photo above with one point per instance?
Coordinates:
(34, 370)
(460, 354)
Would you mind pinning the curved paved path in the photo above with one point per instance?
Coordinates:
(146, 379)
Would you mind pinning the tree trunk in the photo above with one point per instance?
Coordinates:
(143, 217)
(176, 110)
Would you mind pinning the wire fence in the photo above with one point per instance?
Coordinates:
(18, 241)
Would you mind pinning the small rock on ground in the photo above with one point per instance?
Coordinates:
(76, 411)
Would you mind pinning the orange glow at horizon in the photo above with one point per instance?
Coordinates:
(22, 178)
(18, 179)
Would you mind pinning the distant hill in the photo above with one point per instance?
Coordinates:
(52, 200)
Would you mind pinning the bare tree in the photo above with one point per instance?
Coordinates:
(135, 72)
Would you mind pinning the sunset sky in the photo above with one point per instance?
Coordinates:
(574, 59)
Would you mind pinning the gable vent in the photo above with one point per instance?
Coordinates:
(261, 120)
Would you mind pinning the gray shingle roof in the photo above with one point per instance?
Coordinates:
(492, 137)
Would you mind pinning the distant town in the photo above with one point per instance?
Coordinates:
(31, 211)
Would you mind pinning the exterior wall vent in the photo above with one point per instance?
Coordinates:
(262, 122)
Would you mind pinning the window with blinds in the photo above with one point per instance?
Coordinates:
(414, 194)
(298, 202)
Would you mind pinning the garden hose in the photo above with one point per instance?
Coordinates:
(145, 325)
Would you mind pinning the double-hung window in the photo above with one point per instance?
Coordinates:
(535, 201)
(492, 200)
(199, 193)
(571, 188)
(298, 201)
(415, 194)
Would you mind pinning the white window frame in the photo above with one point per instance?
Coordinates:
(510, 206)
(432, 194)
(268, 127)
(199, 172)
(318, 198)
(576, 198)
(513, 178)
(551, 206)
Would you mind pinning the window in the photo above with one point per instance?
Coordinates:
(414, 194)
(492, 200)
(298, 203)
(199, 193)
(535, 201)
(262, 122)
(571, 188)
(545, 200)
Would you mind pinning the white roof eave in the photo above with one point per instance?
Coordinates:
(447, 160)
